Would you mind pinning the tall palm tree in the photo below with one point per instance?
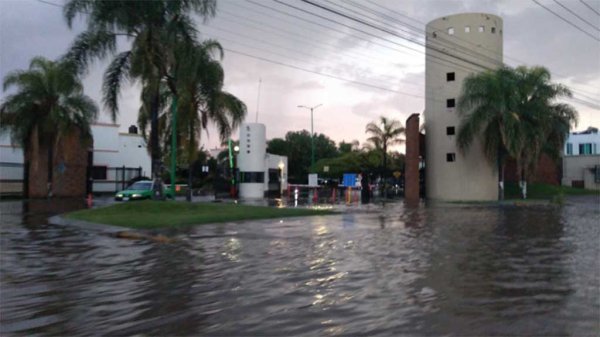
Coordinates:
(48, 105)
(201, 100)
(488, 108)
(384, 134)
(512, 112)
(155, 29)
(545, 124)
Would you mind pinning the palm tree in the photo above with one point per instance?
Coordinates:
(383, 135)
(201, 100)
(487, 106)
(511, 112)
(545, 124)
(156, 29)
(48, 106)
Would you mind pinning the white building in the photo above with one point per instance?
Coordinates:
(457, 46)
(581, 160)
(117, 158)
(259, 172)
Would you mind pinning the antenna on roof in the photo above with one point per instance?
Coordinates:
(258, 98)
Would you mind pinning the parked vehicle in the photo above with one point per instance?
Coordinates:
(140, 190)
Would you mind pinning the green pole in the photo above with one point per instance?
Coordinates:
(173, 144)
(232, 189)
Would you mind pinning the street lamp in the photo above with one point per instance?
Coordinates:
(312, 134)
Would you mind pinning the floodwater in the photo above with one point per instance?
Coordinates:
(388, 270)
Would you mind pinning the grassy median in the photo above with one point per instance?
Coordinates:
(545, 191)
(159, 214)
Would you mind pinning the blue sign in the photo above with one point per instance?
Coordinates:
(349, 180)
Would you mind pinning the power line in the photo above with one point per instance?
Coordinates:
(577, 15)
(567, 21)
(467, 41)
(590, 7)
(322, 74)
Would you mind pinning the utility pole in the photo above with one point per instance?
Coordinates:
(312, 134)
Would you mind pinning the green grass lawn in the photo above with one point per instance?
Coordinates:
(544, 191)
(158, 214)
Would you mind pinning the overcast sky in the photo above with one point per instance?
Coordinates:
(379, 77)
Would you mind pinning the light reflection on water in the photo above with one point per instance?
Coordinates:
(430, 270)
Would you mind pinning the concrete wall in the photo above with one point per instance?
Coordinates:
(471, 176)
(274, 161)
(579, 168)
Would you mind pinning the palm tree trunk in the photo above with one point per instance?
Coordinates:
(188, 197)
(50, 167)
(500, 175)
(157, 193)
(383, 174)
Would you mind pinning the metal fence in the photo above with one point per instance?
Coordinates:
(113, 179)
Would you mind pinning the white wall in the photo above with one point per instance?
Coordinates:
(576, 139)
(579, 168)
(252, 157)
(114, 149)
(273, 161)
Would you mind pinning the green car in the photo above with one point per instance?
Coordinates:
(140, 190)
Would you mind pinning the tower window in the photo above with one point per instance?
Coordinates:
(493, 30)
(450, 157)
(451, 31)
(450, 77)
(450, 103)
(481, 29)
(450, 130)
(467, 29)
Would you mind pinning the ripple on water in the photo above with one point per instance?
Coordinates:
(435, 270)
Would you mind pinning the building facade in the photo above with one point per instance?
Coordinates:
(117, 158)
(259, 172)
(457, 46)
(581, 160)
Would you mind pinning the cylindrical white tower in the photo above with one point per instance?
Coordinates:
(251, 160)
(457, 46)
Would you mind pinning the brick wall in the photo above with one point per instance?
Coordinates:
(411, 180)
(547, 172)
(69, 170)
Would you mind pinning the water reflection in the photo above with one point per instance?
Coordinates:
(392, 270)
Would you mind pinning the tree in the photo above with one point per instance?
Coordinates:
(48, 105)
(156, 30)
(348, 147)
(297, 147)
(511, 112)
(201, 100)
(384, 135)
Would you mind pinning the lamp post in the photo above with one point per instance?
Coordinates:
(312, 134)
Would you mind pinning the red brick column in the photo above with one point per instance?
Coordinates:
(411, 174)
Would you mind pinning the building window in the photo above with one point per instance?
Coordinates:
(450, 130)
(481, 29)
(450, 157)
(450, 103)
(585, 148)
(569, 149)
(99, 172)
(450, 31)
(467, 29)
(449, 77)
(493, 30)
(252, 177)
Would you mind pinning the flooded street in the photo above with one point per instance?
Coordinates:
(434, 270)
